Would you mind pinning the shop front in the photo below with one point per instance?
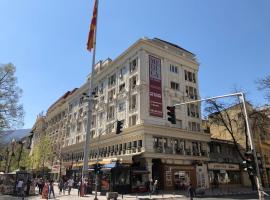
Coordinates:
(179, 177)
(224, 174)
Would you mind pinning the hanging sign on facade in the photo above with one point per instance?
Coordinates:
(155, 87)
(223, 166)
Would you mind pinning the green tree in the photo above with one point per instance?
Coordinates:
(11, 111)
(42, 153)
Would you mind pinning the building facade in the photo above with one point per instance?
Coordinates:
(136, 88)
(260, 129)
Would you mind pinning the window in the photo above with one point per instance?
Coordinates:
(101, 88)
(112, 80)
(133, 82)
(133, 65)
(191, 92)
(140, 143)
(193, 126)
(121, 72)
(78, 138)
(79, 126)
(174, 86)
(189, 76)
(179, 123)
(101, 116)
(133, 102)
(111, 95)
(133, 120)
(121, 106)
(111, 112)
(193, 110)
(174, 69)
(93, 121)
(121, 87)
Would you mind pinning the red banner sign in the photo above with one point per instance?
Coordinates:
(155, 87)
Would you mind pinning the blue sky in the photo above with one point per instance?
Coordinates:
(46, 41)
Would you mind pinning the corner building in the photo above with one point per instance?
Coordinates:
(136, 88)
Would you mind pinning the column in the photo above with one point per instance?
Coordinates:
(149, 164)
(173, 146)
(163, 147)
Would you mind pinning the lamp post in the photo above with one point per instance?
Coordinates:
(249, 134)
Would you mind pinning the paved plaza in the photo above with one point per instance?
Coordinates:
(237, 193)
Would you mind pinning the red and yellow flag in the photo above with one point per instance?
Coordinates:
(91, 36)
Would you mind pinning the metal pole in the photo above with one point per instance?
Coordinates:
(96, 178)
(253, 149)
(250, 138)
(89, 115)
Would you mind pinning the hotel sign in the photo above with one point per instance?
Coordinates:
(155, 87)
(223, 166)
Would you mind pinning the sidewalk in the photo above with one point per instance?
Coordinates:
(215, 192)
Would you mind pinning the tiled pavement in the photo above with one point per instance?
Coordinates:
(172, 195)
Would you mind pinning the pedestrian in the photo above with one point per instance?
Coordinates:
(28, 185)
(70, 185)
(39, 184)
(191, 191)
(79, 188)
(51, 189)
(20, 188)
(65, 186)
(61, 186)
(155, 187)
(45, 190)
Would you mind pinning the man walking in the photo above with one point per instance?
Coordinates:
(191, 191)
(51, 189)
(70, 185)
(20, 188)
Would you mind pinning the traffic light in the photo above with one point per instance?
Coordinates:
(171, 113)
(119, 126)
(97, 168)
(249, 163)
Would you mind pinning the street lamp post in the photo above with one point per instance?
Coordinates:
(250, 137)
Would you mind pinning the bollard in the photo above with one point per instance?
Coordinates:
(136, 195)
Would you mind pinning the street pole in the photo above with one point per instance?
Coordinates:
(253, 149)
(89, 114)
(250, 137)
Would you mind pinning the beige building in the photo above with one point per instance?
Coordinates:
(259, 125)
(136, 88)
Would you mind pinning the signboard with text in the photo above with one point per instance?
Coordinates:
(223, 166)
(155, 87)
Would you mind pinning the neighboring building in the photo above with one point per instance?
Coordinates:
(38, 130)
(136, 88)
(224, 167)
(260, 128)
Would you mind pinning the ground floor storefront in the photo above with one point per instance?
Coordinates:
(224, 175)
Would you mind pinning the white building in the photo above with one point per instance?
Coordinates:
(136, 88)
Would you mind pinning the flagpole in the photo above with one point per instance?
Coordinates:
(89, 114)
